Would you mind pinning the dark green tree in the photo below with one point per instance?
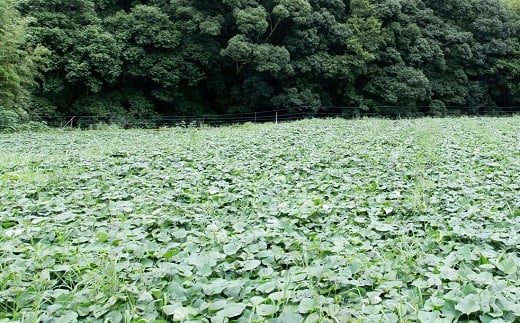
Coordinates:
(302, 54)
(132, 59)
(479, 53)
(402, 78)
(19, 62)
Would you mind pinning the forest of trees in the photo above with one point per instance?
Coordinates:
(139, 59)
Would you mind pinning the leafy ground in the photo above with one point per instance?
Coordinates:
(317, 220)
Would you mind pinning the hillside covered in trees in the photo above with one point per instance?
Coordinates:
(136, 59)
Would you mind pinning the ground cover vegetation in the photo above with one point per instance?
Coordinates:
(134, 60)
(317, 220)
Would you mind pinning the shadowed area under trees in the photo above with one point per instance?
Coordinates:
(138, 60)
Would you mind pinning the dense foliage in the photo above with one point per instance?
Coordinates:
(18, 65)
(319, 220)
(134, 59)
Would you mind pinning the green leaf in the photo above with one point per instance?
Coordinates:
(217, 305)
(482, 278)
(231, 310)
(507, 265)
(64, 217)
(8, 224)
(289, 317)
(277, 296)
(102, 236)
(266, 309)
(231, 248)
(312, 318)
(266, 287)
(307, 305)
(316, 271)
(167, 255)
(427, 317)
(469, 304)
(251, 264)
(169, 309)
(215, 287)
(172, 309)
(256, 300)
(114, 317)
(384, 227)
(182, 313)
(68, 317)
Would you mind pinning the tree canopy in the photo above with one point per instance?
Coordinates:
(138, 59)
(18, 63)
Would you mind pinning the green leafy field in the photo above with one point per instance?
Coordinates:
(316, 220)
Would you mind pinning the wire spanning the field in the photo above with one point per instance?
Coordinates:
(275, 116)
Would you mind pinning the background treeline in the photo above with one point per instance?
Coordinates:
(134, 60)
